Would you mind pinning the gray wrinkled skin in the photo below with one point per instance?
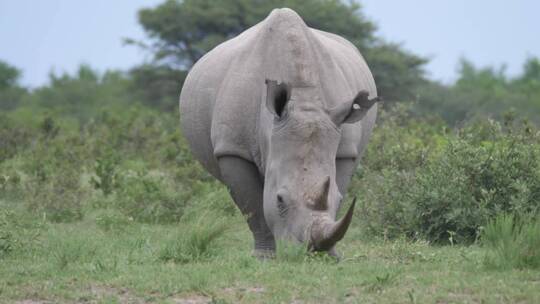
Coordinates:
(281, 114)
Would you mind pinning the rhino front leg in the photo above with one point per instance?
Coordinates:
(246, 188)
(345, 168)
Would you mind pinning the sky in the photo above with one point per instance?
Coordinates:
(40, 36)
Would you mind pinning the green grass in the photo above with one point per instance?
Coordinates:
(82, 262)
(193, 241)
(513, 243)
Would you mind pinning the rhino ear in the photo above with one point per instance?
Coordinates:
(354, 110)
(277, 96)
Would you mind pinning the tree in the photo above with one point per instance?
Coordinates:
(10, 92)
(83, 95)
(487, 91)
(9, 75)
(531, 70)
(157, 86)
(181, 32)
(398, 74)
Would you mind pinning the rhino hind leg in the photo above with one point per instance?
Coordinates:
(246, 189)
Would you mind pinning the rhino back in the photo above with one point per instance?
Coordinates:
(224, 93)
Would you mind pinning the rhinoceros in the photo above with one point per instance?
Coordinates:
(281, 114)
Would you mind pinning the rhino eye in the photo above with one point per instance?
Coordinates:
(282, 206)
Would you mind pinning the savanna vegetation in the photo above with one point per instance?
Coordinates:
(101, 200)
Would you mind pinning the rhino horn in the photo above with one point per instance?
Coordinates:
(326, 236)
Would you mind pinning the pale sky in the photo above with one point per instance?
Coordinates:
(39, 36)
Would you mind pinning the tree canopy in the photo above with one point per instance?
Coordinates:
(10, 91)
(486, 91)
(9, 75)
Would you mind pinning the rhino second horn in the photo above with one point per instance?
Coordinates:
(335, 232)
(321, 200)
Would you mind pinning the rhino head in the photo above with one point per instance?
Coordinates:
(301, 197)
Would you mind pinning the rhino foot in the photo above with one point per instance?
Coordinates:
(264, 254)
(335, 254)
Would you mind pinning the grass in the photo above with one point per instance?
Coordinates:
(513, 243)
(82, 262)
(193, 242)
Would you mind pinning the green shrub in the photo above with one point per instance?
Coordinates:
(10, 182)
(61, 151)
(111, 220)
(49, 127)
(483, 170)
(53, 187)
(106, 178)
(14, 137)
(512, 242)
(136, 134)
(470, 184)
(195, 240)
(17, 231)
(151, 198)
(386, 208)
(188, 171)
(7, 239)
(59, 197)
(402, 141)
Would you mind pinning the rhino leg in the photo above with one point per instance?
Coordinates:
(344, 171)
(246, 188)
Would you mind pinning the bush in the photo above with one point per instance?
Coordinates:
(7, 239)
(49, 168)
(136, 134)
(512, 242)
(10, 182)
(386, 208)
(13, 137)
(470, 184)
(58, 198)
(151, 198)
(17, 232)
(402, 141)
(53, 187)
(111, 220)
(483, 170)
(106, 178)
